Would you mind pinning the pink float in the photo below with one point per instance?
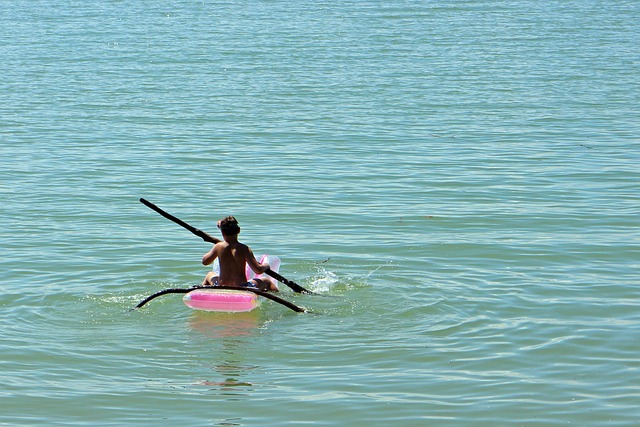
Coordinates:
(222, 300)
(229, 300)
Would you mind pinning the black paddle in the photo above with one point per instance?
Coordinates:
(255, 291)
(208, 238)
(204, 236)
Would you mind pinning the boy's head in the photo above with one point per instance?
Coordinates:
(229, 226)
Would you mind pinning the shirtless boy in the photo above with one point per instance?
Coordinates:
(234, 256)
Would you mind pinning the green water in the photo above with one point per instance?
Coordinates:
(457, 180)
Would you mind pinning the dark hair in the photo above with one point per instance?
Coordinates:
(229, 226)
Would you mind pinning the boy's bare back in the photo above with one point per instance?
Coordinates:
(233, 257)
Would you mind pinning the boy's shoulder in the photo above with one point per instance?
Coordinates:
(239, 245)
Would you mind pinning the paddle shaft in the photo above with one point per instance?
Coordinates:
(209, 238)
(204, 236)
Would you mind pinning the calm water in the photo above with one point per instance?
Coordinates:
(459, 180)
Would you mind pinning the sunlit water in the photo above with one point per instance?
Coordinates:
(457, 180)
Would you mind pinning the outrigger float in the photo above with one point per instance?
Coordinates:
(228, 299)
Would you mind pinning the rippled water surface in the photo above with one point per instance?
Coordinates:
(458, 181)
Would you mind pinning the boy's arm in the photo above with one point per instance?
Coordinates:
(257, 267)
(210, 256)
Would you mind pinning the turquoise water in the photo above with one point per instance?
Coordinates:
(458, 180)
